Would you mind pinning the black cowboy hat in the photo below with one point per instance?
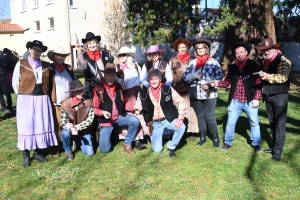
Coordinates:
(208, 43)
(75, 85)
(36, 43)
(241, 44)
(90, 36)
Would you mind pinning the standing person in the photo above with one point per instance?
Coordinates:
(5, 63)
(244, 95)
(32, 81)
(156, 63)
(161, 106)
(203, 96)
(276, 84)
(109, 107)
(178, 65)
(63, 74)
(76, 118)
(129, 71)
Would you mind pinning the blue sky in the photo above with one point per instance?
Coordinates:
(210, 3)
(7, 9)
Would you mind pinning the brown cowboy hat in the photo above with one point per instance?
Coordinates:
(179, 41)
(267, 44)
(36, 43)
(110, 68)
(75, 85)
(241, 44)
(208, 43)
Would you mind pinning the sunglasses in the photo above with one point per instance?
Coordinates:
(122, 55)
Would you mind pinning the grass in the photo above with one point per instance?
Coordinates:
(195, 173)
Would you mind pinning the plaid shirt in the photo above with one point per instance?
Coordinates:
(239, 92)
(210, 71)
(178, 101)
(83, 125)
(284, 69)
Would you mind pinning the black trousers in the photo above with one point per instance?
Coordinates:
(277, 106)
(5, 90)
(205, 111)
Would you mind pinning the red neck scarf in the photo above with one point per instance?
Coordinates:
(75, 101)
(156, 91)
(183, 57)
(59, 68)
(201, 60)
(110, 89)
(266, 62)
(94, 55)
(242, 63)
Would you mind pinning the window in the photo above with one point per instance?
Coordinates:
(71, 2)
(51, 22)
(38, 26)
(23, 5)
(36, 3)
(50, 1)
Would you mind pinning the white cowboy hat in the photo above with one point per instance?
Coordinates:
(57, 50)
(125, 50)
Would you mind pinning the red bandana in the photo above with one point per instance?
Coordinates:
(201, 60)
(183, 57)
(94, 55)
(156, 91)
(268, 62)
(59, 68)
(241, 64)
(75, 101)
(110, 89)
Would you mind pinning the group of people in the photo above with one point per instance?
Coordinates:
(159, 99)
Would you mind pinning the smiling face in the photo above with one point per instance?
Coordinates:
(92, 45)
(268, 53)
(59, 58)
(35, 52)
(123, 58)
(182, 48)
(201, 49)
(240, 53)
(110, 78)
(154, 56)
(154, 81)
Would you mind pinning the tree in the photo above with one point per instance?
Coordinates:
(159, 21)
(115, 23)
(249, 21)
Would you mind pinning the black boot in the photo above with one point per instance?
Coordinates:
(216, 140)
(38, 156)
(26, 156)
(202, 138)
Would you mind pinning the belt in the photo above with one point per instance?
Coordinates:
(159, 120)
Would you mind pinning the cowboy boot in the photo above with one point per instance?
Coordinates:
(26, 157)
(202, 138)
(38, 156)
(216, 140)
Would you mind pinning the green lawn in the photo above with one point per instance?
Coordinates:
(195, 173)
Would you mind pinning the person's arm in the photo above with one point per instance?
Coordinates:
(169, 75)
(190, 73)
(87, 122)
(180, 104)
(283, 72)
(223, 84)
(144, 76)
(258, 85)
(96, 102)
(64, 120)
(138, 110)
(218, 72)
(81, 62)
(16, 78)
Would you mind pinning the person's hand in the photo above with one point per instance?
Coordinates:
(106, 114)
(145, 129)
(123, 86)
(212, 84)
(178, 123)
(69, 125)
(74, 131)
(204, 87)
(264, 76)
(78, 47)
(255, 103)
(216, 83)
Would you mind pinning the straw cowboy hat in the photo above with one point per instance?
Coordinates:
(90, 36)
(267, 43)
(36, 43)
(125, 50)
(75, 85)
(208, 43)
(241, 44)
(155, 49)
(57, 50)
(179, 41)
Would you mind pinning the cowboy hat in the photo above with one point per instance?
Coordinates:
(155, 49)
(57, 50)
(241, 44)
(202, 41)
(75, 85)
(110, 68)
(125, 50)
(90, 36)
(36, 43)
(267, 44)
(180, 41)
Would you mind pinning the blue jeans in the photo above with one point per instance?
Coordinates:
(83, 141)
(158, 130)
(105, 132)
(234, 111)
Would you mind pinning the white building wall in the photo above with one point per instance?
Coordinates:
(12, 41)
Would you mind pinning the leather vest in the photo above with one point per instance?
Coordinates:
(92, 69)
(162, 67)
(166, 103)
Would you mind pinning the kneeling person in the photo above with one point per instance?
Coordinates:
(76, 118)
(161, 104)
